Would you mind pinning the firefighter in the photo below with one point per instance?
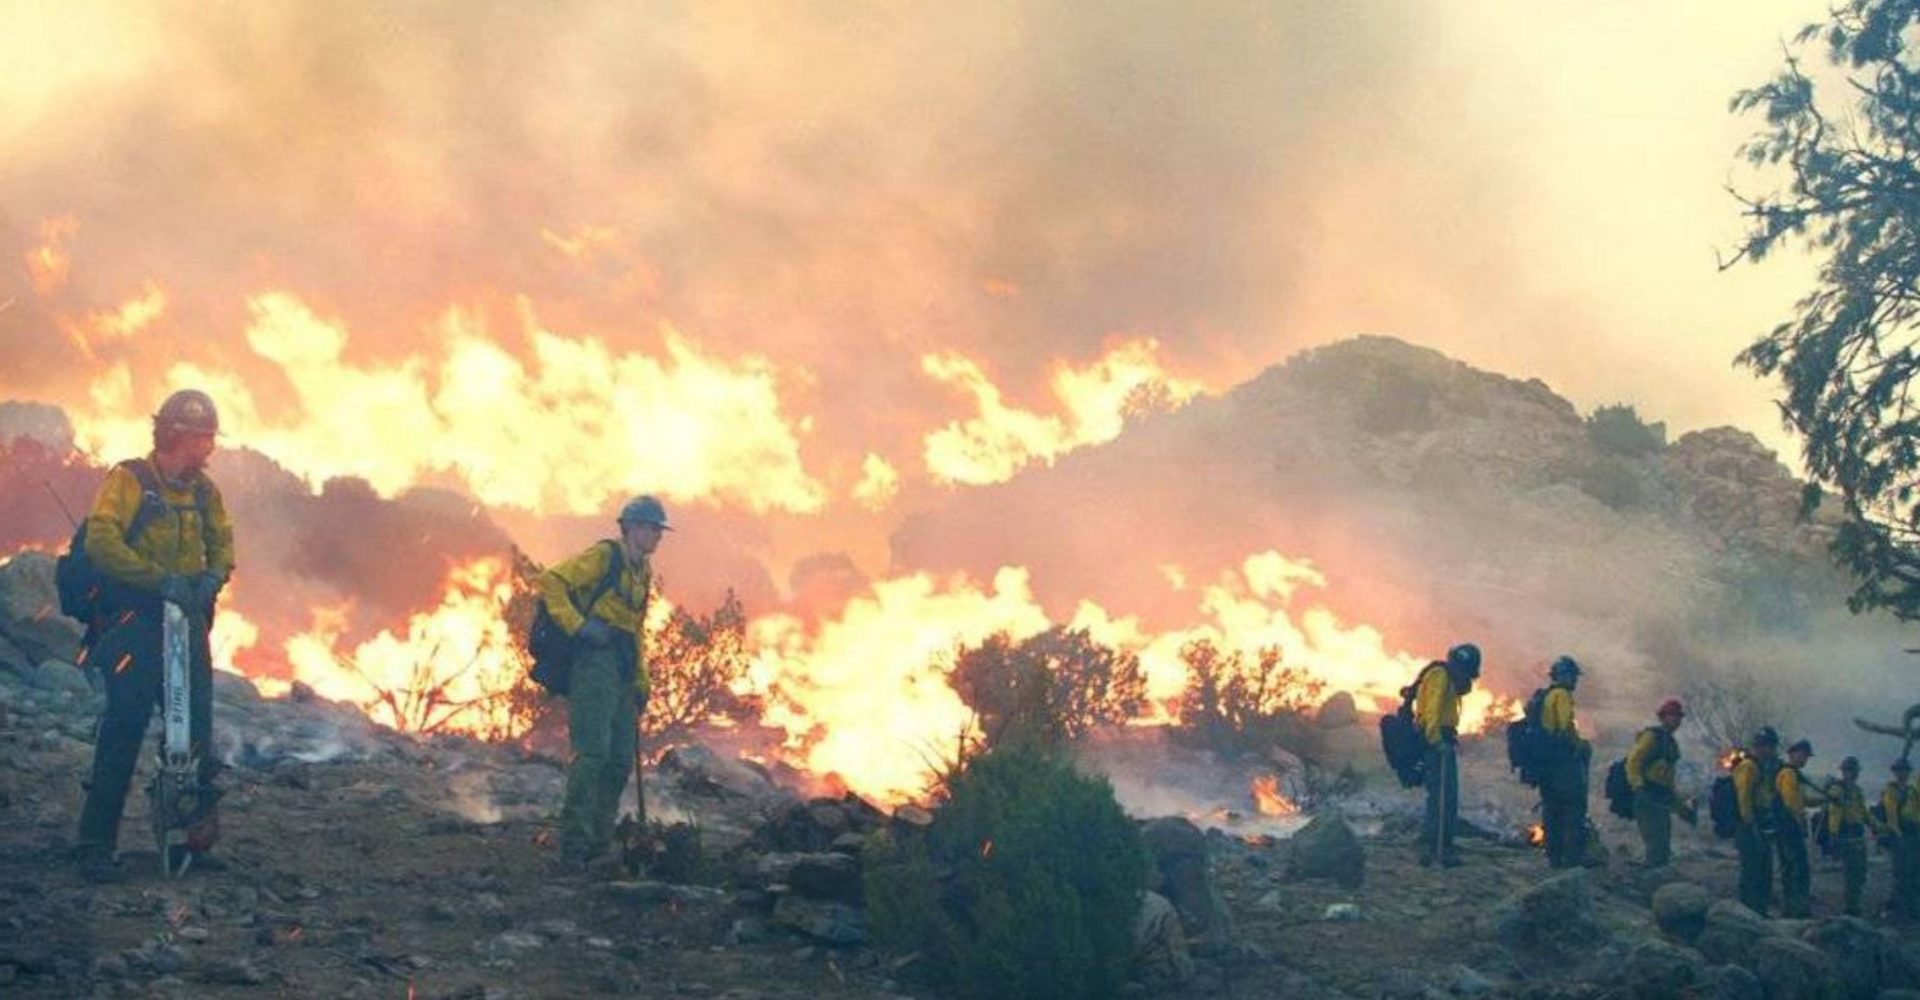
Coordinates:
(1563, 779)
(1900, 805)
(158, 532)
(1650, 770)
(609, 683)
(1756, 788)
(1436, 710)
(1796, 865)
(1847, 825)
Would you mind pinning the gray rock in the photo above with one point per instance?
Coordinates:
(1554, 915)
(1160, 943)
(1732, 932)
(1182, 874)
(227, 971)
(13, 660)
(1658, 969)
(747, 930)
(30, 608)
(698, 769)
(508, 944)
(1732, 982)
(1400, 984)
(60, 676)
(1468, 982)
(833, 923)
(822, 876)
(1795, 970)
(1327, 848)
(1680, 910)
(1337, 712)
(1866, 958)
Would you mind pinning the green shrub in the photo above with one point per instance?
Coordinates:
(1025, 884)
(1618, 430)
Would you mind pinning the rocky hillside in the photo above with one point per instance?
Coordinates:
(367, 864)
(1444, 502)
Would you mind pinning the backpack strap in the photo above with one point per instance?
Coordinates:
(607, 579)
(153, 501)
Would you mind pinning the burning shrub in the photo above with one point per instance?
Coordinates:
(697, 662)
(1048, 689)
(1237, 707)
(1025, 884)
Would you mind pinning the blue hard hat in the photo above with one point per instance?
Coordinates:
(1464, 657)
(1564, 667)
(645, 510)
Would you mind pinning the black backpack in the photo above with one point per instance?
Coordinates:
(1619, 790)
(1400, 737)
(82, 588)
(1527, 749)
(549, 646)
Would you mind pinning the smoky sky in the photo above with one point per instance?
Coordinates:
(841, 186)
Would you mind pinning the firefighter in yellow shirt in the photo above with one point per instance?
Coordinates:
(1436, 710)
(608, 684)
(1796, 865)
(1847, 824)
(1900, 804)
(158, 532)
(1650, 771)
(1756, 789)
(1563, 778)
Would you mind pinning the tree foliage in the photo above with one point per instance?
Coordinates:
(1025, 884)
(1048, 689)
(1618, 430)
(1848, 148)
(1236, 706)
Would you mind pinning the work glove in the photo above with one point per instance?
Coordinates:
(206, 588)
(1449, 735)
(179, 590)
(595, 633)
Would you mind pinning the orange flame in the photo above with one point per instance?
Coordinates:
(1536, 835)
(1267, 799)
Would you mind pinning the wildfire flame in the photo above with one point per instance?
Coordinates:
(1536, 835)
(1730, 758)
(1268, 801)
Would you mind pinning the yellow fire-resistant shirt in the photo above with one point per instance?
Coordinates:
(1901, 803)
(1436, 706)
(623, 606)
(1795, 793)
(1652, 759)
(1756, 796)
(171, 542)
(1556, 716)
(1847, 808)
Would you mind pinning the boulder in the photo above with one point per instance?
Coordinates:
(30, 609)
(13, 660)
(1732, 933)
(1658, 969)
(1680, 910)
(1555, 915)
(1182, 874)
(1795, 970)
(1327, 848)
(59, 675)
(1866, 958)
(822, 920)
(1337, 712)
(1732, 982)
(699, 770)
(1160, 943)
